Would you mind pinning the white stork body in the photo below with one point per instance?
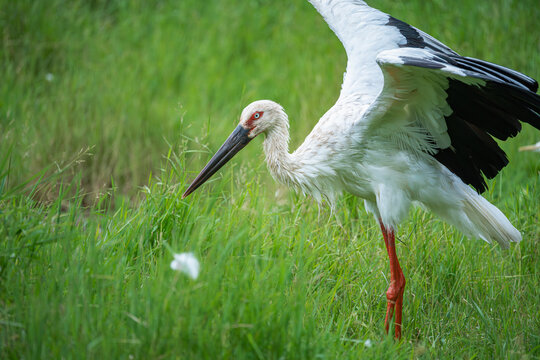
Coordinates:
(413, 124)
(389, 177)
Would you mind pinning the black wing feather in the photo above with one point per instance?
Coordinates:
(495, 109)
(478, 112)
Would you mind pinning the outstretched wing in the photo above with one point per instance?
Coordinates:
(450, 107)
(426, 97)
(364, 33)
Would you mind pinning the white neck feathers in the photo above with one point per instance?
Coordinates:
(276, 148)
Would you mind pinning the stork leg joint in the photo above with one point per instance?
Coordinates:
(395, 289)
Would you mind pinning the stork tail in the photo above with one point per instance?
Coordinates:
(489, 222)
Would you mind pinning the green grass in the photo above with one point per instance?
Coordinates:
(94, 161)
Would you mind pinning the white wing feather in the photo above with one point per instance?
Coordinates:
(364, 34)
(376, 75)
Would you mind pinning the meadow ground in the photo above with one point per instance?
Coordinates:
(107, 111)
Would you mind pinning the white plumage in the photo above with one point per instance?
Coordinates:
(413, 125)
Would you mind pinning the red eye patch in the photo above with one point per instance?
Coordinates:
(255, 116)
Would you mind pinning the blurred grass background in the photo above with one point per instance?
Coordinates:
(129, 98)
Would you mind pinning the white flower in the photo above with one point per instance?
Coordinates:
(368, 343)
(49, 77)
(186, 263)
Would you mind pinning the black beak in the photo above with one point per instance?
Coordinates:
(234, 143)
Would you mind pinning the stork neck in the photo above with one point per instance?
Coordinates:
(276, 149)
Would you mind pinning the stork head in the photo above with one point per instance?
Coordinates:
(258, 117)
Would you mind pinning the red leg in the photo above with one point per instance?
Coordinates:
(394, 295)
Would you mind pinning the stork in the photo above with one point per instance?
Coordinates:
(414, 123)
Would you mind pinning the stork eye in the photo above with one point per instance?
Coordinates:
(255, 116)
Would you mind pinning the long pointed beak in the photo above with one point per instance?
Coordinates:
(235, 142)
